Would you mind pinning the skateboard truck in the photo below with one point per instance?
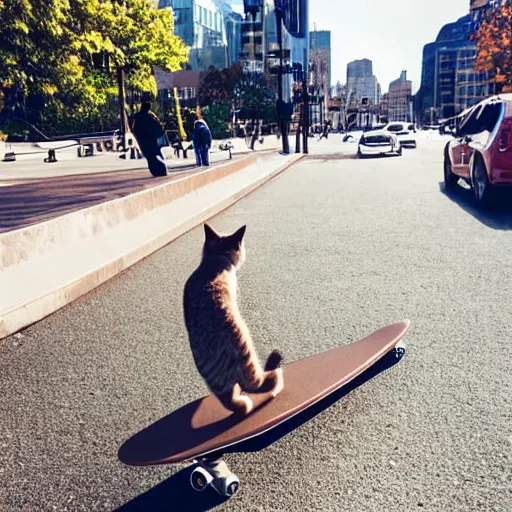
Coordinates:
(216, 473)
(171, 440)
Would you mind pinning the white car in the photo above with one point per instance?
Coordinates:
(405, 132)
(379, 142)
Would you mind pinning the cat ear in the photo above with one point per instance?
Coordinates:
(239, 235)
(210, 234)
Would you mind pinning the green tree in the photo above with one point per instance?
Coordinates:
(216, 116)
(49, 53)
(255, 99)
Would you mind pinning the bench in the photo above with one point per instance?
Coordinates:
(177, 145)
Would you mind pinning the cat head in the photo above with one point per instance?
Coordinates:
(229, 246)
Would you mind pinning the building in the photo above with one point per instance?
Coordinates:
(399, 100)
(260, 46)
(187, 85)
(359, 68)
(449, 82)
(200, 23)
(320, 72)
(320, 57)
(362, 82)
(233, 22)
(384, 108)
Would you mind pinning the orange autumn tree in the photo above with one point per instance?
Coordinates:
(494, 45)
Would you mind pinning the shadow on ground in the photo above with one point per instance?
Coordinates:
(176, 494)
(497, 216)
(331, 156)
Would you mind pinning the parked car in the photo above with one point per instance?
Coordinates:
(405, 132)
(481, 152)
(379, 142)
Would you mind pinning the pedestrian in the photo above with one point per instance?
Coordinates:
(149, 132)
(325, 133)
(202, 139)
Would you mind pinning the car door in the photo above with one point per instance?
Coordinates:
(460, 149)
(460, 155)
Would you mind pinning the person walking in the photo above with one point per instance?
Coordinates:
(325, 133)
(148, 131)
(202, 139)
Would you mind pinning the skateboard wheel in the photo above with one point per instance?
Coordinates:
(231, 485)
(399, 350)
(200, 479)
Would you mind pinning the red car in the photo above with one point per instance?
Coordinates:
(481, 152)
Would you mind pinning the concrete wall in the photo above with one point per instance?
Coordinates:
(48, 265)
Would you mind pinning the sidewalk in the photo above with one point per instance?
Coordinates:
(68, 163)
(82, 230)
(31, 193)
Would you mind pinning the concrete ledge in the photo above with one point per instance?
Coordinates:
(48, 265)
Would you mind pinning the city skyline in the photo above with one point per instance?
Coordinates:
(383, 36)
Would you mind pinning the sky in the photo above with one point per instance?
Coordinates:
(391, 33)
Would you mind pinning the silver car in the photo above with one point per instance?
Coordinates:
(377, 143)
(405, 132)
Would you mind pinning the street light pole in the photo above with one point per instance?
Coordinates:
(283, 125)
(253, 7)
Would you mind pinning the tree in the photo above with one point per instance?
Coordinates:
(217, 85)
(216, 116)
(494, 45)
(256, 101)
(48, 57)
(255, 98)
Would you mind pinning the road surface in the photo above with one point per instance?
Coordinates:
(336, 248)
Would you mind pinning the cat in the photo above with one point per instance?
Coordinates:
(219, 338)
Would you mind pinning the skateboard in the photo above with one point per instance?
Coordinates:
(201, 432)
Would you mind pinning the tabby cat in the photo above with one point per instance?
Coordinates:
(220, 341)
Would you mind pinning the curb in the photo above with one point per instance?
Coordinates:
(94, 232)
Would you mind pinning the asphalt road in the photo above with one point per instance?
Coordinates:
(336, 248)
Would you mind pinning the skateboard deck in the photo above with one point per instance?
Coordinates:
(205, 428)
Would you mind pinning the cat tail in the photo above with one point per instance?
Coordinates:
(273, 361)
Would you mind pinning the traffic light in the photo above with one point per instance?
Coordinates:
(365, 102)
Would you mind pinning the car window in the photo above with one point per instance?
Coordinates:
(377, 139)
(489, 116)
(482, 118)
(469, 124)
(395, 128)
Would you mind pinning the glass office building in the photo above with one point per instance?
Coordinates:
(201, 25)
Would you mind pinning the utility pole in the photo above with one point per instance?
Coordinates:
(283, 124)
(305, 108)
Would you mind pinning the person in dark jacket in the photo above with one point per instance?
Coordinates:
(202, 139)
(148, 129)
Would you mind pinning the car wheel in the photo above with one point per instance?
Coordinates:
(359, 154)
(450, 179)
(482, 189)
(399, 150)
